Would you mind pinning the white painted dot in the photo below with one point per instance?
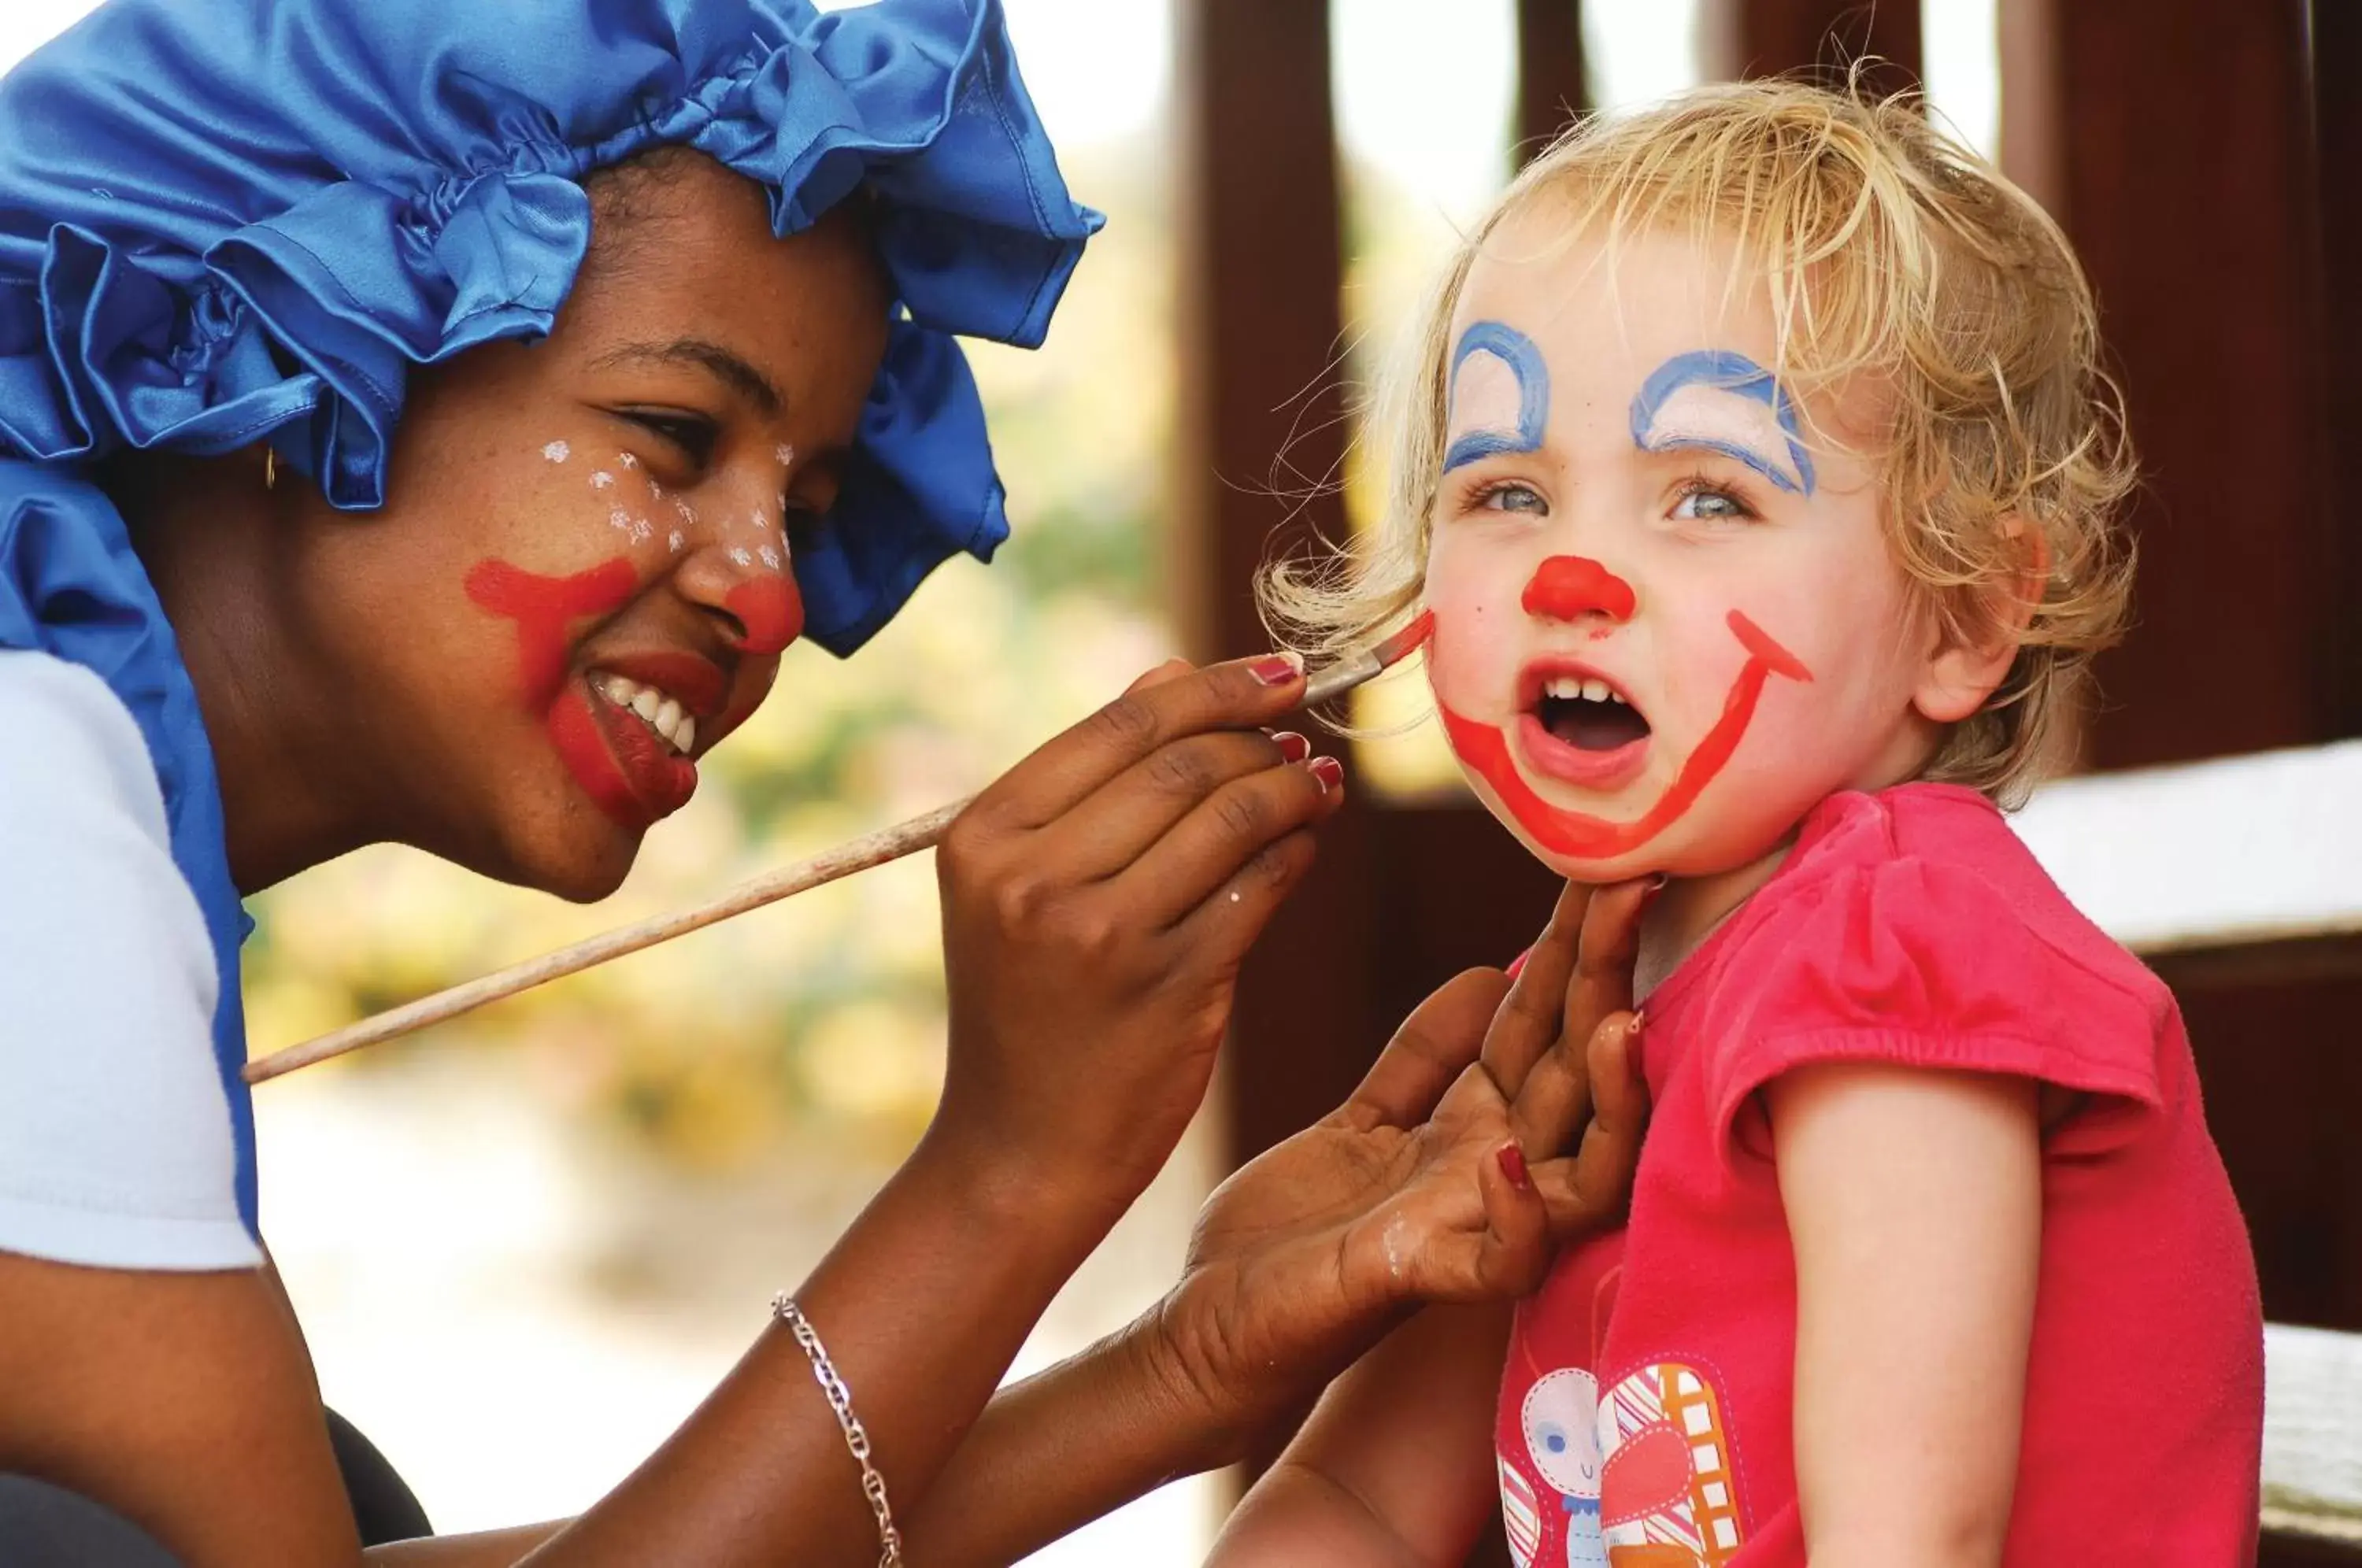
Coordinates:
(674, 540)
(687, 512)
(655, 490)
(628, 460)
(742, 558)
(619, 518)
(602, 479)
(1234, 895)
(642, 531)
(761, 522)
(557, 451)
(770, 557)
(786, 454)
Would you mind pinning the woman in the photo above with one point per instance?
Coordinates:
(625, 326)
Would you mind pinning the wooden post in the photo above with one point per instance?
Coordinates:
(1768, 37)
(2336, 34)
(2190, 183)
(1263, 414)
(2190, 195)
(1551, 87)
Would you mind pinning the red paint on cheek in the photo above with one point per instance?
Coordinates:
(1759, 644)
(771, 611)
(1574, 835)
(1565, 587)
(633, 779)
(544, 608)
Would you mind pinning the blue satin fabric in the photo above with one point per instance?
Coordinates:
(227, 220)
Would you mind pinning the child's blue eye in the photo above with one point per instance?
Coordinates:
(1705, 504)
(1512, 498)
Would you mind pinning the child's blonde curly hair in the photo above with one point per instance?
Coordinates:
(1887, 249)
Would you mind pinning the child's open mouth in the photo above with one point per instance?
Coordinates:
(1578, 726)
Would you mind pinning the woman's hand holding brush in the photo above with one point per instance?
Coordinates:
(859, 855)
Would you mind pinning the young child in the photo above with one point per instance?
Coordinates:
(1757, 470)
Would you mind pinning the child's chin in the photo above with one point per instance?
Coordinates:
(1640, 862)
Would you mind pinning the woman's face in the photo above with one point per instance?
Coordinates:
(1667, 620)
(580, 581)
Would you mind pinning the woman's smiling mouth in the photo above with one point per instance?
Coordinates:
(1577, 726)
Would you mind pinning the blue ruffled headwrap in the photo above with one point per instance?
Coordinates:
(223, 221)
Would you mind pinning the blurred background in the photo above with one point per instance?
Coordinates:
(525, 1244)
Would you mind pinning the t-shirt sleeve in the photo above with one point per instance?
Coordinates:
(115, 1144)
(1921, 964)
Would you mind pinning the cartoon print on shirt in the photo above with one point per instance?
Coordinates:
(1640, 1479)
(1666, 1494)
(1561, 1425)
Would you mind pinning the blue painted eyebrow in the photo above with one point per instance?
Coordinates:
(1725, 371)
(1517, 350)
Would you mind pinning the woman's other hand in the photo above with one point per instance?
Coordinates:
(1097, 900)
(1503, 1118)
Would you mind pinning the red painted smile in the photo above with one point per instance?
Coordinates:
(1574, 835)
(634, 778)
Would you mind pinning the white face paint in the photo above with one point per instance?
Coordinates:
(786, 454)
(761, 522)
(642, 531)
(628, 460)
(674, 541)
(687, 512)
(770, 557)
(557, 451)
(619, 520)
(602, 479)
(742, 558)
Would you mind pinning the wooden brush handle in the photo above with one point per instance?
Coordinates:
(858, 855)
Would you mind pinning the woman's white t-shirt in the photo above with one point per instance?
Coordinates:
(116, 1146)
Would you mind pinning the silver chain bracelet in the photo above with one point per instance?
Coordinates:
(856, 1437)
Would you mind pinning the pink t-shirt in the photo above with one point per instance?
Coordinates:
(1645, 1415)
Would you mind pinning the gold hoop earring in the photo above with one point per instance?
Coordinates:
(270, 469)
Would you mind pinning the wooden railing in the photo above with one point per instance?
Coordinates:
(2238, 871)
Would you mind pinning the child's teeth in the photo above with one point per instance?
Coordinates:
(669, 718)
(645, 704)
(1595, 691)
(686, 737)
(1614, 696)
(1565, 689)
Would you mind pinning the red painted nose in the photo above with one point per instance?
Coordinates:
(770, 610)
(1565, 587)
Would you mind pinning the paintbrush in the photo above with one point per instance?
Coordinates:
(858, 855)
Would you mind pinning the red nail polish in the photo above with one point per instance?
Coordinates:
(1292, 747)
(1512, 1165)
(1278, 669)
(1329, 771)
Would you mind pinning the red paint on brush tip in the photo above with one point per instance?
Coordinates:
(1393, 650)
